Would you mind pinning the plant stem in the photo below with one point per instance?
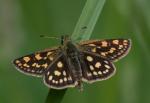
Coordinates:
(88, 19)
(55, 96)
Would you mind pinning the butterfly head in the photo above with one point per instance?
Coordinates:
(65, 39)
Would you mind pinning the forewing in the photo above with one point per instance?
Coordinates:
(96, 68)
(58, 75)
(111, 49)
(37, 63)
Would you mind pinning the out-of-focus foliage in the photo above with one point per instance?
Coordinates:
(22, 21)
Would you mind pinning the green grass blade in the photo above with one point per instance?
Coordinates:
(88, 19)
(55, 96)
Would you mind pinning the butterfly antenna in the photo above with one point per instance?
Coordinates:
(50, 37)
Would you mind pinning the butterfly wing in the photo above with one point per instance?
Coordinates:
(37, 63)
(96, 68)
(112, 49)
(58, 75)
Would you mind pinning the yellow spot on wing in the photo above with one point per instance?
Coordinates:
(91, 67)
(49, 53)
(45, 65)
(95, 73)
(60, 64)
(98, 64)
(104, 44)
(65, 79)
(34, 64)
(60, 81)
(125, 41)
(45, 58)
(111, 51)
(103, 54)
(26, 59)
(89, 58)
(92, 45)
(93, 50)
(64, 73)
(51, 58)
(99, 72)
(53, 81)
(120, 46)
(17, 61)
(108, 67)
(50, 77)
(26, 65)
(38, 57)
(48, 73)
(106, 70)
(37, 65)
(115, 42)
(113, 48)
(57, 73)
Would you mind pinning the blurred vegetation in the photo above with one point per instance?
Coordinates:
(22, 21)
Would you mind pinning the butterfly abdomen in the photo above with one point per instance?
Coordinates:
(73, 60)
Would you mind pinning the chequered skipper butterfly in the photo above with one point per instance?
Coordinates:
(73, 63)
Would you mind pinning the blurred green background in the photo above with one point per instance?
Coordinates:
(22, 21)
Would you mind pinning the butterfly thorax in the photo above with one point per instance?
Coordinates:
(73, 57)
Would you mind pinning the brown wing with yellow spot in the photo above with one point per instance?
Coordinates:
(37, 63)
(111, 49)
(59, 76)
(96, 68)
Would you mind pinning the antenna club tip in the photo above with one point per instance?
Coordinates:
(42, 36)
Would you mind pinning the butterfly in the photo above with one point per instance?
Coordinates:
(71, 64)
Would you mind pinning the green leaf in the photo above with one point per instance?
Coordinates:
(55, 96)
(88, 19)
